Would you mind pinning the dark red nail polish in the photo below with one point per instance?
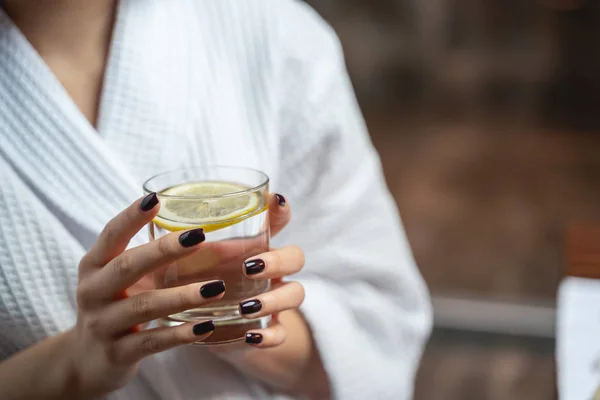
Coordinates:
(203, 327)
(149, 202)
(250, 306)
(254, 267)
(254, 338)
(212, 289)
(280, 200)
(192, 238)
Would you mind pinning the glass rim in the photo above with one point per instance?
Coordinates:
(255, 188)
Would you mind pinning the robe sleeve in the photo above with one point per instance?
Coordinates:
(366, 302)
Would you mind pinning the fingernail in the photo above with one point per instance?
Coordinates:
(191, 238)
(250, 306)
(212, 289)
(254, 338)
(280, 200)
(203, 327)
(149, 202)
(254, 267)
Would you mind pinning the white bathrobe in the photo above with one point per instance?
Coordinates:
(252, 83)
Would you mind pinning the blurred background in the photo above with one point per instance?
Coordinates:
(486, 114)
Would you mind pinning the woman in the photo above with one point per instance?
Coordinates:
(96, 96)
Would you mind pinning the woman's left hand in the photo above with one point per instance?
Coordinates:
(282, 355)
(273, 265)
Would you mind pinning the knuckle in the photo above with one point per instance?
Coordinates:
(165, 249)
(130, 215)
(82, 294)
(110, 231)
(111, 352)
(92, 324)
(180, 335)
(150, 343)
(142, 305)
(90, 260)
(122, 266)
(85, 260)
(181, 298)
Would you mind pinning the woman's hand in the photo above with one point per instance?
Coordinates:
(274, 265)
(283, 355)
(106, 344)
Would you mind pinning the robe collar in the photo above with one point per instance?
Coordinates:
(62, 157)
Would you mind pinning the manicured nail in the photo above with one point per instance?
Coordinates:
(212, 289)
(203, 327)
(149, 202)
(250, 306)
(280, 200)
(254, 338)
(254, 267)
(192, 238)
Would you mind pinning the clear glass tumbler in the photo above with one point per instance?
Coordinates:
(231, 205)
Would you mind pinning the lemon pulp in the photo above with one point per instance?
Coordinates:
(204, 208)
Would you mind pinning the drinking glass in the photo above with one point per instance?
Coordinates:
(231, 205)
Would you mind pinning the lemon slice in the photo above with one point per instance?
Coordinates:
(202, 211)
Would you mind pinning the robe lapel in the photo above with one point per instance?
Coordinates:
(145, 110)
(74, 167)
(142, 126)
(52, 145)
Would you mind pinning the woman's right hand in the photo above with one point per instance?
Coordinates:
(105, 345)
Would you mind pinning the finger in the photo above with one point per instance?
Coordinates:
(115, 236)
(283, 297)
(120, 316)
(272, 336)
(133, 347)
(275, 264)
(279, 213)
(133, 264)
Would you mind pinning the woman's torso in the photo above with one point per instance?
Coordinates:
(187, 83)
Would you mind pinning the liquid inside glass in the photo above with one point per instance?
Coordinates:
(231, 238)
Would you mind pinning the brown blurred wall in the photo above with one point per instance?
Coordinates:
(481, 147)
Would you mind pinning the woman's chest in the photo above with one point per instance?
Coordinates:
(205, 136)
(216, 123)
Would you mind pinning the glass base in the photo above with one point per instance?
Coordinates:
(229, 327)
